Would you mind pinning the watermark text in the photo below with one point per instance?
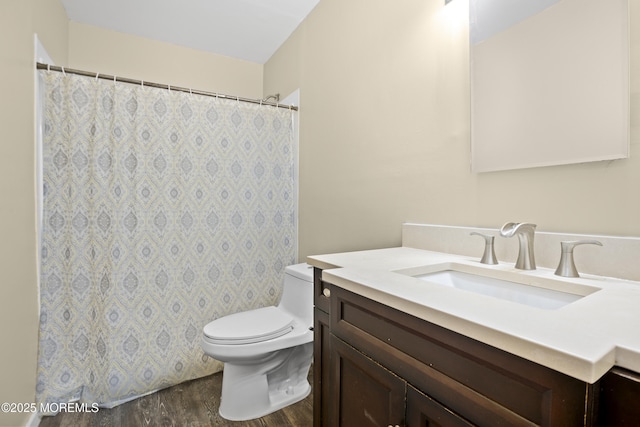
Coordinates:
(48, 408)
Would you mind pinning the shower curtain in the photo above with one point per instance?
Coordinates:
(163, 210)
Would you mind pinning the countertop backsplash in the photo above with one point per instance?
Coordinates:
(618, 257)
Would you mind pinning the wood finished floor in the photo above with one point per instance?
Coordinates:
(193, 403)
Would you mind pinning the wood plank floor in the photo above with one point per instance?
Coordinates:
(193, 403)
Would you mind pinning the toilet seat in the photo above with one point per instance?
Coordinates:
(249, 326)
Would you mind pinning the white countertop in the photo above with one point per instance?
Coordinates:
(583, 339)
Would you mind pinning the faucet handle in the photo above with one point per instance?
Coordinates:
(566, 267)
(489, 256)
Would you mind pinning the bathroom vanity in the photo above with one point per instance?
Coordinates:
(393, 350)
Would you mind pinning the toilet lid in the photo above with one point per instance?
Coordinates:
(249, 326)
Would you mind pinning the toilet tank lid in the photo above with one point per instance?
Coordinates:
(302, 271)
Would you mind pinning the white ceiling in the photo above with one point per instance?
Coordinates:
(251, 30)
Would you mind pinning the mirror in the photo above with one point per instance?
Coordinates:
(549, 82)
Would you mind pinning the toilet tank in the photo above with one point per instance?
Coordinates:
(297, 292)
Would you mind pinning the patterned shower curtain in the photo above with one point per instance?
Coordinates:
(163, 210)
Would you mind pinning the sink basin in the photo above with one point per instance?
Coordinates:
(512, 286)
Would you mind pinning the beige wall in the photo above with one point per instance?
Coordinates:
(384, 134)
(109, 52)
(19, 19)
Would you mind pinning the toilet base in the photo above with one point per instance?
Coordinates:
(278, 401)
(250, 391)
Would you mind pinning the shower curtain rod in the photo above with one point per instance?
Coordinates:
(41, 66)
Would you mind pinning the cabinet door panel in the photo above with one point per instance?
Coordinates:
(321, 347)
(422, 411)
(364, 393)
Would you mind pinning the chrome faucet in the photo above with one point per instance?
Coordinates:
(525, 232)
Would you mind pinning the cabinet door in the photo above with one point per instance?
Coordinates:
(321, 357)
(422, 411)
(363, 392)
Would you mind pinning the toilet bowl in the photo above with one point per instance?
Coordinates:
(266, 352)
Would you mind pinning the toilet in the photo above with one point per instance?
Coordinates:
(266, 352)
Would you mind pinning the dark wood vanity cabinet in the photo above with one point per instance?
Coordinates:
(377, 366)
